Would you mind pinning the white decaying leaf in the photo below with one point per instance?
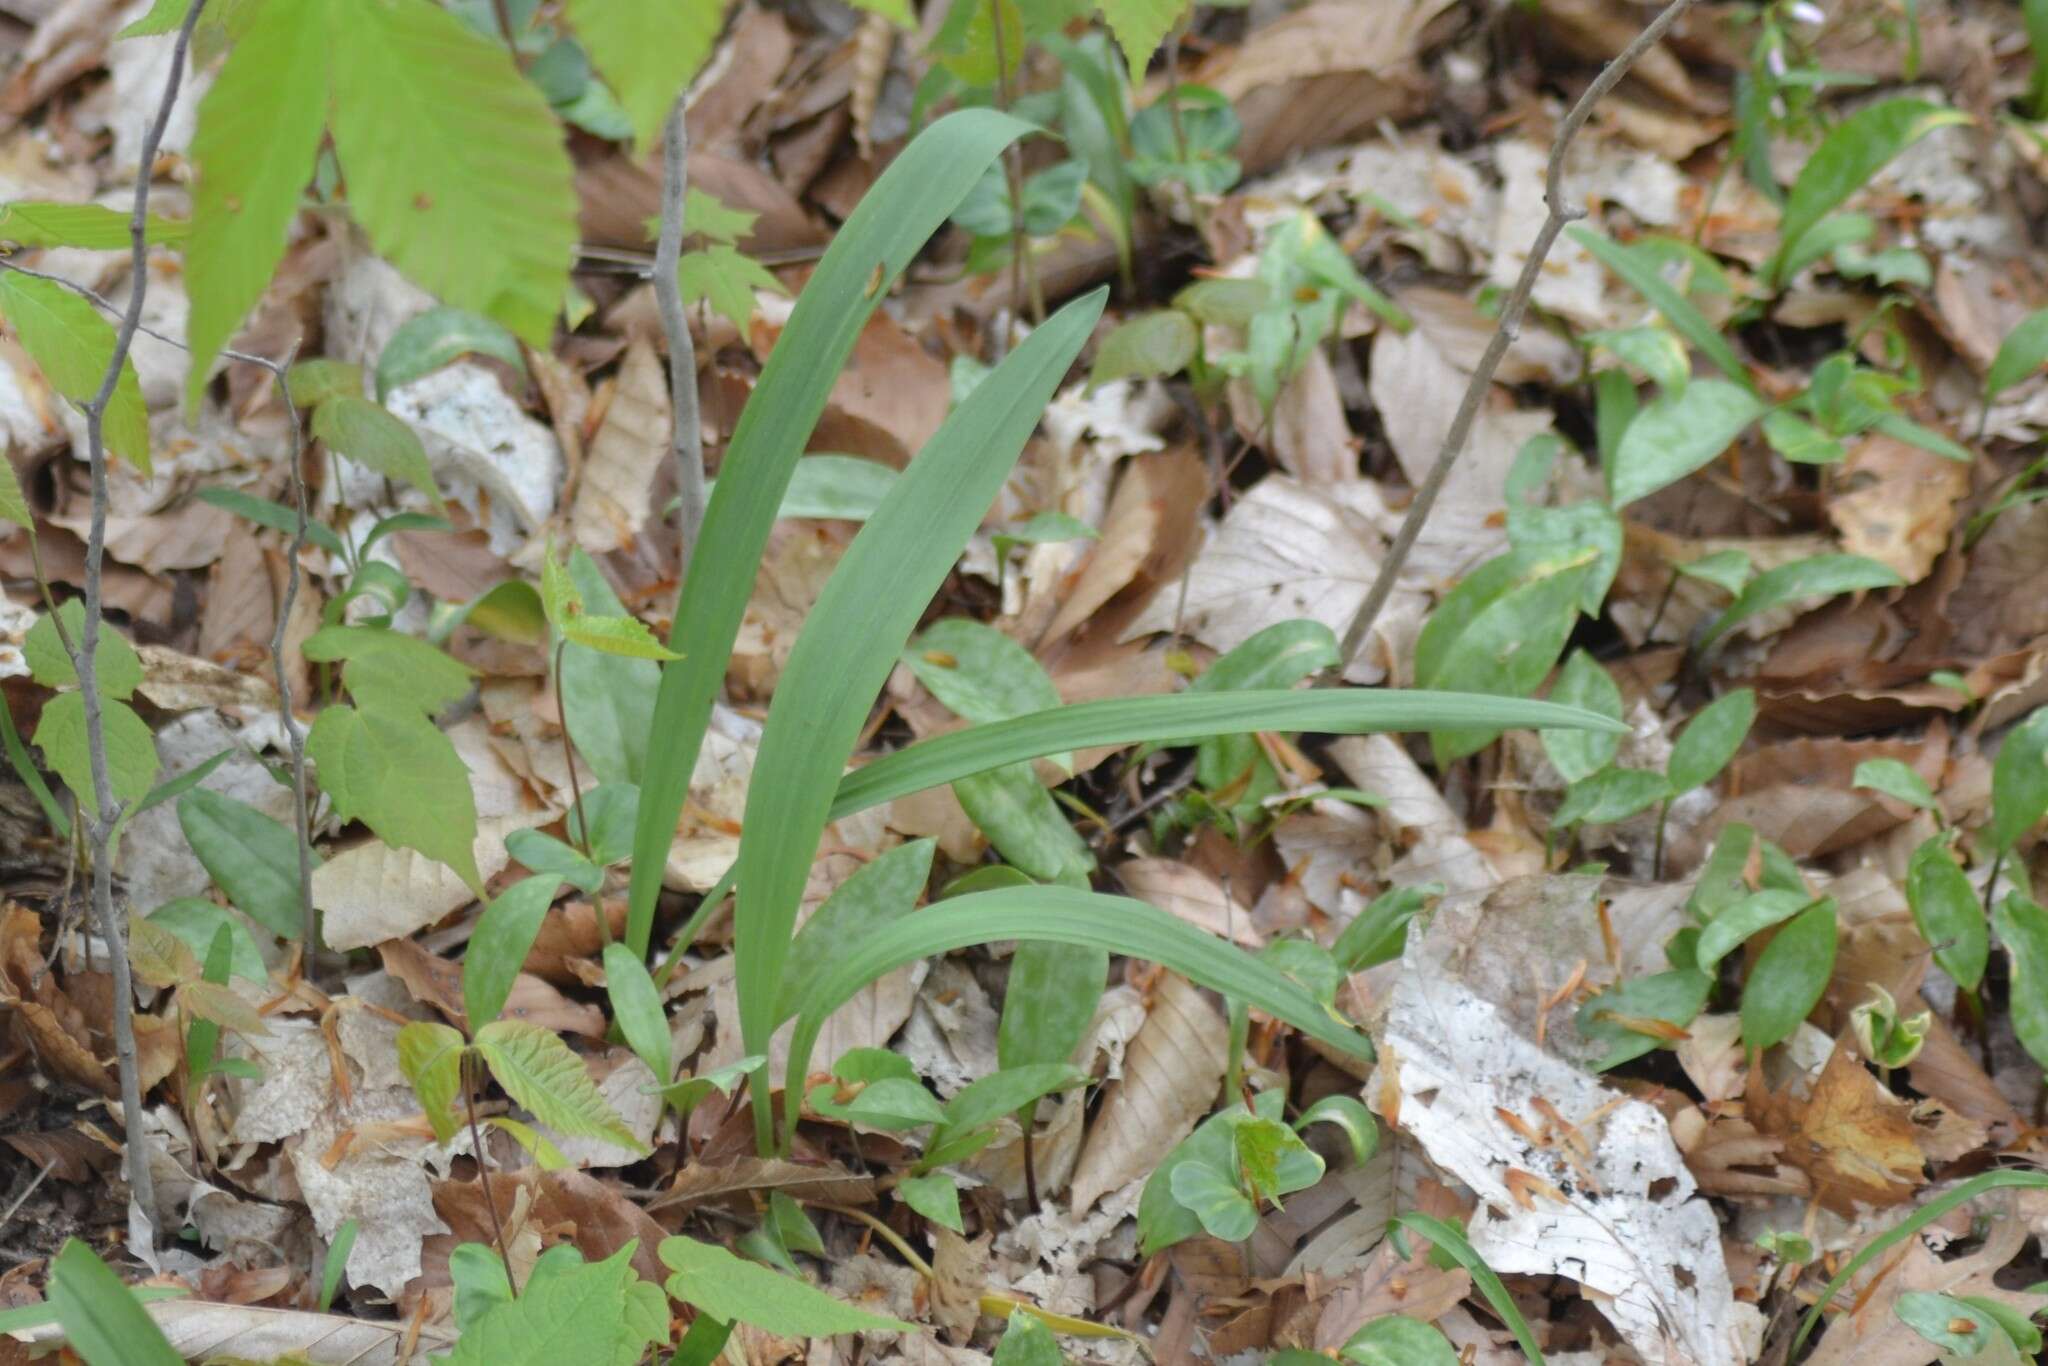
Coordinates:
(1633, 1218)
(201, 1330)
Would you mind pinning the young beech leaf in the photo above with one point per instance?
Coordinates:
(119, 668)
(1897, 781)
(497, 950)
(430, 1056)
(646, 53)
(726, 278)
(94, 227)
(71, 344)
(2019, 781)
(456, 167)
(250, 856)
(2023, 930)
(539, 1072)
(627, 637)
(363, 431)
(312, 382)
(259, 126)
(2024, 351)
(727, 1288)
(600, 1313)
(1710, 740)
(131, 750)
(389, 669)
(1946, 912)
(394, 771)
(1579, 754)
(1789, 976)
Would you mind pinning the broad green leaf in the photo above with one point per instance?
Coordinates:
(456, 168)
(1377, 933)
(1397, 1340)
(1644, 272)
(250, 856)
(367, 434)
(1451, 1240)
(131, 750)
(1043, 528)
(1612, 794)
(687, 1093)
(1069, 915)
(1500, 631)
(258, 129)
(611, 700)
(1710, 740)
(1788, 977)
(197, 922)
(1583, 683)
(1186, 717)
(2015, 1324)
(102, 1321)
(880, 891)
(1727, 570)
(1733, 926)
(2023, 929)
(608, 808)
(1652, 350)
(497, 949)
(1162, 1219)
(982, 1102)
(1946, 1322)
(1818, 576)
(636, 1006)
(312, 382)
(430, 1056)
(1212, 1197)
(276, 516)
(1554, 531)
(1048, 1003)
(1612, 1018)
(1946, 912)
(1897, 781)
(1853, 151)
(935, 1197)
(1026, 1341)
(1676, 434)
(119, 668)
(1349, 1114)
(890, 225)
(2019, 781)
(1824, 238)
(567, 1311)
(395, 772)
(437, 337)
(647, 53)
(94, 227)
(1279, 656)
(840, 487)
(1024, 823)
(887, 1103)
(2020, 355)
(1229, 303)
(1799, 440)
(481, 1283)
(71, 343)
(1149, 346)
(720, 1284)
(1272, 1161)
(386, 668)
(978, 672)
(854, 634)
(539, 1072)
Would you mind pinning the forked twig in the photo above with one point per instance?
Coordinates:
(1505, 332)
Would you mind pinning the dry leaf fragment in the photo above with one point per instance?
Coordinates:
(1854, 1138)
(615, 490)
(1898, 503)
(1170, 1074)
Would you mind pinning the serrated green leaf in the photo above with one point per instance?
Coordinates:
(1946, 912)
(636, 1006)
(388, 669)
(437, 337)
(456, 167)
(539, 1072)
(1788, 977)
(131, 750)
(93, 227)
(258, 129)
(1579, 754)
(621, 637)
(1818, 576)
(430, 1056)
(1272, 1161)
(726, 277)
(1149, 346)
(647, 53)
(1679, 433)
(119, 668)
(102, 1320)
(250, 856)
(727, 1288)
(1162, 1219)
(497, 950)
(1710, 740)
(367, 434)
(1852, 152)
(393, 770)
(567, 1311)
(71, 343)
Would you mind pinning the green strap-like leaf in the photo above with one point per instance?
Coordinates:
(456, 167)
(100, 1316)
(258, 129)
(924, 184)
(71, 343)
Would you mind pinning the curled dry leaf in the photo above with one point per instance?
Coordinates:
(1170, 1074)
(1191, 894)
(615, 490)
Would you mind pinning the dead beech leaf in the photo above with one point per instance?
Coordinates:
(1152, 525)
(434, 981)
(374, 892)
(1854, 1138)
(1310, 434)
(1898, 503)
(1171, 1072)
(615, 491)
(828, 1182)
(1389, 1284)
(1191, 894)
(201, 1329)
(890, 398)
(960, 1268)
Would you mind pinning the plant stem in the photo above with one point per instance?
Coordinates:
(107, 809)
(295, 734)
(1657, 860)
(582, 830)
(1504, 332)
(686, 443)
(483, 1171)
(1013, 168)
(1030, 1165)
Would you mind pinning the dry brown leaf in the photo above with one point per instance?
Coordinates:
(1171, 1072)
(1897, 503)
(202, 1330)
(1311, 437)
(1389, 1284)
(1192, 895)
(436, 982)
(960, 1269)
(1151, 526)
(1851, 1136)
(890, 398)
(616, 490)
(373, 892)
(827, 1182)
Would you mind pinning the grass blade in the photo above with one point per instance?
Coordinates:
(1184, 718)
(853, 637)
(906, 206)
(1062, 915)
(1452, 1240)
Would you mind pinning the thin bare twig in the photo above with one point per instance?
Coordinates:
(1560, 213)
(686, 443)
(107, 808)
